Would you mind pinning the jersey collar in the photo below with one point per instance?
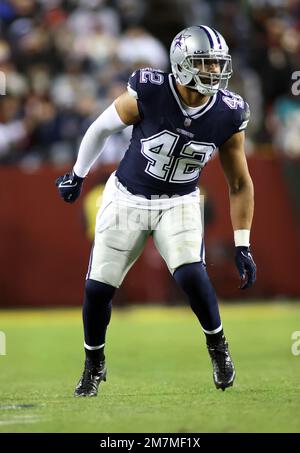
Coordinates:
(202, 109)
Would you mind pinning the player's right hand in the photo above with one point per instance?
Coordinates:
(69, 186)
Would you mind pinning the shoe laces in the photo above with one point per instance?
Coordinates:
(86, 379)
(219, 353)
(89, 372)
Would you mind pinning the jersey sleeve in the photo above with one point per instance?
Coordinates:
(144, 82)
(132, 85)
(241, 117)
(144, 85)
(236, 114)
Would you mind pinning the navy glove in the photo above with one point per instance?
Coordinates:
(69, 186)
(246, 266)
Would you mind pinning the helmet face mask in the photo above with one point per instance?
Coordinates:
(200, 60)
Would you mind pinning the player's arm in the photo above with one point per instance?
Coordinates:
(241, 195)
(240, 184)
(122, 113)
(127, 108)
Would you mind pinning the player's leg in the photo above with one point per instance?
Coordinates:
(117, 246)
(96, 316)
(179, 240)
(120, 236)
(194, 281)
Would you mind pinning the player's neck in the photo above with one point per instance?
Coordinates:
(192, 98)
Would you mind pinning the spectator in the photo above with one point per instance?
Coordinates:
(64, 61)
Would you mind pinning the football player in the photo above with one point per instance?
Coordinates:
(179, 120)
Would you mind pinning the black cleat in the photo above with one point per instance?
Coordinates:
(223, 368)
(91, 377)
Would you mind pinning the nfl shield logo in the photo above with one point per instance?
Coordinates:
(187, 122)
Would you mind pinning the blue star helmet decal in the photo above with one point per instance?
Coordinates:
(180, 40)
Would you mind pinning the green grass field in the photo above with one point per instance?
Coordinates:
(159, 373)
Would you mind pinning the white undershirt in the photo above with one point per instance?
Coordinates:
(192, 110)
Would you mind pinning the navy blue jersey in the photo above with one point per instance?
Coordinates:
(169, 147)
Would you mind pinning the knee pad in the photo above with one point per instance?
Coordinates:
(98, 291)
(191, 274)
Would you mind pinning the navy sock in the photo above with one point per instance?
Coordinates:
(194, 281)
(94, 357)
(215, 338)
(96, 315)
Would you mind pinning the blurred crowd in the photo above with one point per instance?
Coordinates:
(64, 61)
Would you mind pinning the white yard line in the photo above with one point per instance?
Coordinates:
(17, 406)
(20, 419)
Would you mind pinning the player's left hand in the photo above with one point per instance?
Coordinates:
(69, 186)
(246, 266)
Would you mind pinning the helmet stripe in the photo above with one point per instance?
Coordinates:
(210, 38)
(218, 38)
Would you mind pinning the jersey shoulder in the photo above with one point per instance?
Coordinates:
(143, 83)
(236, 108)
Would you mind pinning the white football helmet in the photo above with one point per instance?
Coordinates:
(193, 53)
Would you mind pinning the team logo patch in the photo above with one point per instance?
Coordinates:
(187, 122)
